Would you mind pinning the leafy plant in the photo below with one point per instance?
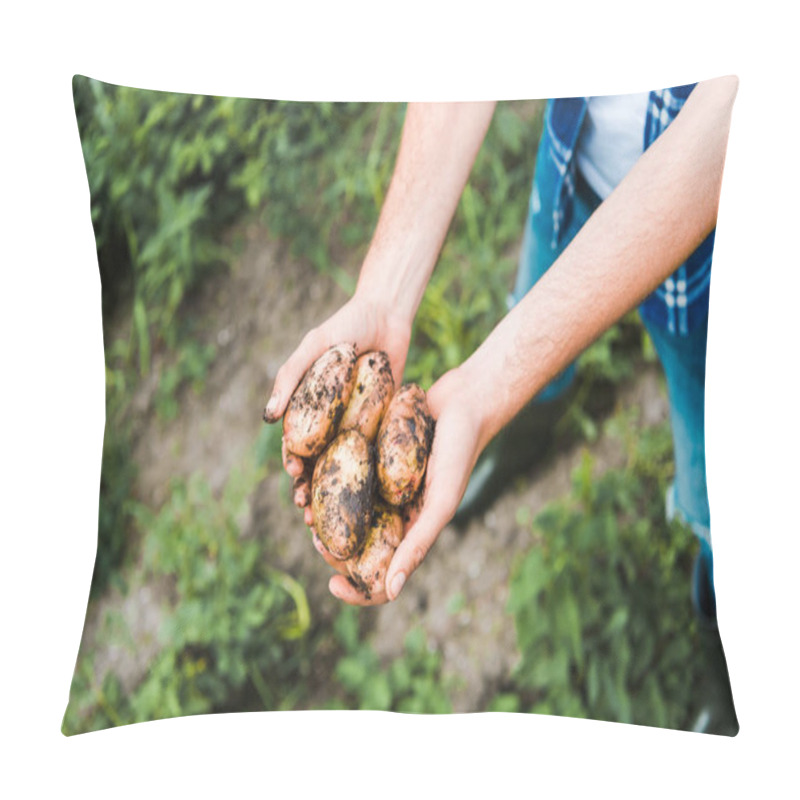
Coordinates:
(188, 368)
(168, 171)
(411, 683)
(236, 626)
(601, 601)
(117, 476)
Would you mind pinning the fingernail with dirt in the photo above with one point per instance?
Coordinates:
(269, 411)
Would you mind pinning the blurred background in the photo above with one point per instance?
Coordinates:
(226, 228)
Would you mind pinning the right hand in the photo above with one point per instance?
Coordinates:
(457, 443)
(369, 325)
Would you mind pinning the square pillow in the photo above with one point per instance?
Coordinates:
(576, 576)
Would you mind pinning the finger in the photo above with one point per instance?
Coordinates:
(308, 517)
(301, 491)
(343, 589)
(411, 552)
(445, 482)
(330, 560)
(290, 374)
(292, 463)
(301, 488)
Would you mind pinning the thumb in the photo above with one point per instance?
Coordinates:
(436, 512)
(291, 373)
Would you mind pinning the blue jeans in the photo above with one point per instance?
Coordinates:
(683, 359)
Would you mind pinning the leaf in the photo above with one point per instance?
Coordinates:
(592, 682)
(415, 642)
(508, 703)
(377, 693)
(142, 334)
(572, 620)
(400, 675)
(619, 619)
(295, 625)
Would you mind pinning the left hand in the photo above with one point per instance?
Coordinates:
(456, 447)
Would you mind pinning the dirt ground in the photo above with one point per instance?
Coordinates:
(256, 316)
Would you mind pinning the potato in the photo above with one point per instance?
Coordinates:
(368, 568)
(343, 493)
(372, 391)
(404, 441)
(319, 402)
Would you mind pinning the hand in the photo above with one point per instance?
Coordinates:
(457, 443)
(368, 324)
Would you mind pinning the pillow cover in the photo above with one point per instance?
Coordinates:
(577, 576)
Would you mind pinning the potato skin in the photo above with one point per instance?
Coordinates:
(372, 390)
(403, 445)
(368, 568)
(318, 404)
(343, 493)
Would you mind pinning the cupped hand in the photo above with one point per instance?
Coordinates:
(455, 449)
(367, 324)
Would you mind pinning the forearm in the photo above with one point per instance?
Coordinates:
(437, 150)
(650, 224)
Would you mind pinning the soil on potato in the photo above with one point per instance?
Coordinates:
(256, 315)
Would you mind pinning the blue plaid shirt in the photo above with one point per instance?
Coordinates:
(681, 301)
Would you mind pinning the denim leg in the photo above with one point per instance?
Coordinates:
(537, 256)
(684, 362)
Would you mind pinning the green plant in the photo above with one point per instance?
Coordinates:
(609, 361)
(601, 601)
(189, 368)
(412, 683)
(117, 476)
(235, 629)
(168, 172)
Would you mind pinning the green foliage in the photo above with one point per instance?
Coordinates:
(319, 172)
(267, 447)
(232, 629)
(117, 475)
(604, 365)
(601, 602)
(168, 171)
(411, 683)
(154, 162)
(189, 368)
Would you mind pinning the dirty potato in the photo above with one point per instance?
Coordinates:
(318, 404)
(368, 569)
(404, 441)
(372, 391)
(343, 493)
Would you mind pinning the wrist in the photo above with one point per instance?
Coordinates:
(390, 328)
(476, 401)
(390, 289)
